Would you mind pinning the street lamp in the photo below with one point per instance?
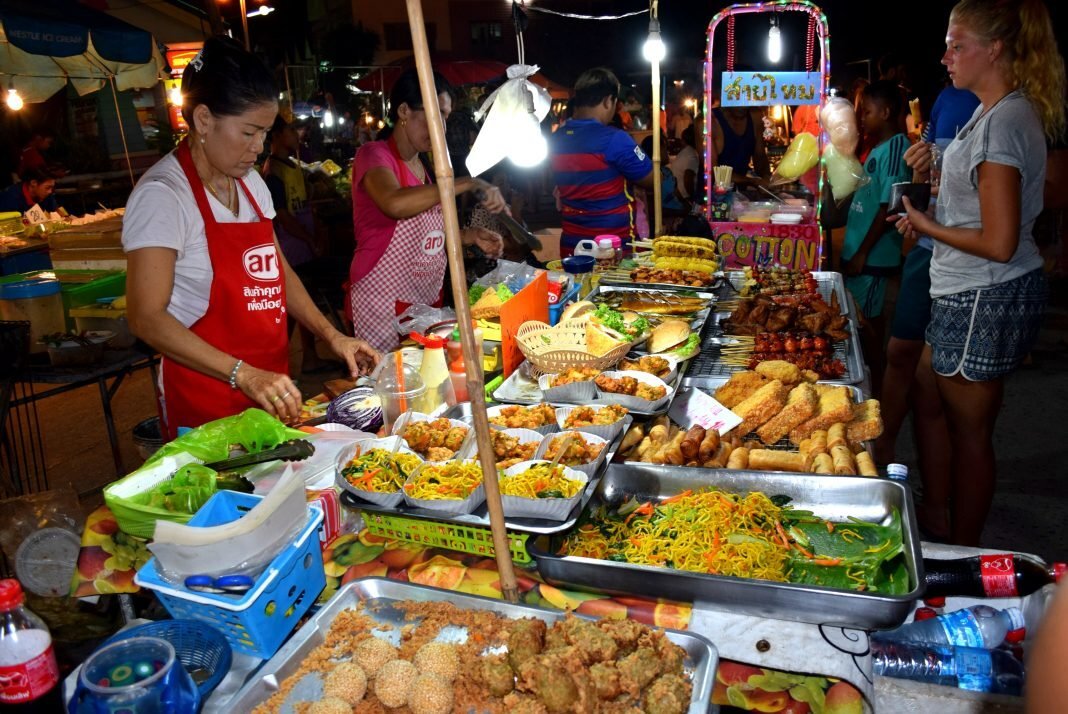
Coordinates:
(654, 49)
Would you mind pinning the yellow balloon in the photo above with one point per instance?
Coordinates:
(800, 157)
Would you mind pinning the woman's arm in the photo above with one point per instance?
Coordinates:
(396, 202)
(149, 282)
(999, 209)
(358, 355)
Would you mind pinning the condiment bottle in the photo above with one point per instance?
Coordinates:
(435, 374)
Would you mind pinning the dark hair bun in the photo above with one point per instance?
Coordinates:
(226, 79)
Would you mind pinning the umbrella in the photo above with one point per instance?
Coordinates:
(457, 72)
(45, 45)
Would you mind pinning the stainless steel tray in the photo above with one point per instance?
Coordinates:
(379, 595)
(621, 276)
(836, 498)
(826, 282)
(480, 516)
(521, 388)
(697, 322)
(708, 364)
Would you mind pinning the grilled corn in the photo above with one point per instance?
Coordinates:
(700, 265)
(677, 248)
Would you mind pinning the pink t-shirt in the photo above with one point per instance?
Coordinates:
(372, 228)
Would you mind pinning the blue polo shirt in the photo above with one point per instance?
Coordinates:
(592, 165)
(13, 198)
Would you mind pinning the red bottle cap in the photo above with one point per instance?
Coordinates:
(924, 613)
(1058, 571)
(1016, 636)
(935, 601)
(10, 594)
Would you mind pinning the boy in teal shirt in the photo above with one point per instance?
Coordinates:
(872, 249)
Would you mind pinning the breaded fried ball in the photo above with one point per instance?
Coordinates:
(372, 653)
(438, 658)
(330, 705)
(346, 681)
(669, 694)
(393, 681)
(430, 694)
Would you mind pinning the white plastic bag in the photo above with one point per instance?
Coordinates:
(509, 130)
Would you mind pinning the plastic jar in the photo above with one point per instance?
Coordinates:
(606, 253)
(36, 301)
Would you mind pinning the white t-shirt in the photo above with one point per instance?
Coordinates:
(162, 213)
(683, 161)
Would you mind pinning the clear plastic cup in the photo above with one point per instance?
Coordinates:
(398, 392)
(111, 676)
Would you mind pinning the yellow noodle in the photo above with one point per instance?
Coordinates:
(538, 480)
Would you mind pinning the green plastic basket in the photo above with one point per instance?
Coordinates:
(466, 539)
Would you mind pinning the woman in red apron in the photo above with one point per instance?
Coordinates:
(400, 254)
(207, 284)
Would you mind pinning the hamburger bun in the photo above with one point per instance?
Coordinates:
(667, 335)
(577, 309)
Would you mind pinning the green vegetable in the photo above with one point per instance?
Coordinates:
(504, 293)
(475, 292)
(614, 321)
(687, 349)
(551, 493)
(188, 490)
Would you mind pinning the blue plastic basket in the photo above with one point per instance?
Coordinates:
(558, 307)
(199, 646)
(258, 622)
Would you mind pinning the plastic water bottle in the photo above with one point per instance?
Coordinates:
(897, 472)
(976, 626)
(997, 575)
(29, 675)
(971, 668)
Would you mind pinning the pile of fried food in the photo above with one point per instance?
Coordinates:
(580, 450)
(436, 440)
(650, 364)
(572, 375)
(591, 416)
(775, 313)
(508, 450)
(652, 303)
(504, 665)
(776, 402)
(672, 277)
(532, 417)
(630, 386)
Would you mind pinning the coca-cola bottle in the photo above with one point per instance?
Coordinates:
(1000, 575)
(29, 675)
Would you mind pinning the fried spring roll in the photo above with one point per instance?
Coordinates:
(836, 436)
(769, 460)
(843, 461)
(739, 459)
(709, 446)
(691, 442)
(822, 464)
(865, 464)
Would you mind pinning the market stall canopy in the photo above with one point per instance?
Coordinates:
(45, 45)
(457, 72)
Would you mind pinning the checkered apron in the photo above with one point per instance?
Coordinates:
(410, 272)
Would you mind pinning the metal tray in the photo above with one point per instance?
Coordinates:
(480, 516)
(707, 362)
(621, 276)
(697, 322)
(521, 388)
(379, 595)
(826, 282)
(833, 497)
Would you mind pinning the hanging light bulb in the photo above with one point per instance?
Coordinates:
(774, 41)
(529, 147)
(174, 96)
(328, 119)
(14, 99)
(654, 49)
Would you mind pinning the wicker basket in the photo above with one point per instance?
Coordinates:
(566, 348)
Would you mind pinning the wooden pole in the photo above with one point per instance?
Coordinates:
(472, 359)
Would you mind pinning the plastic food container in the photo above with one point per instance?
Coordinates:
(95, 319)
(37, 301)
(70, 353)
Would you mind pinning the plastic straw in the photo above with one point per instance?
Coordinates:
(399, 365)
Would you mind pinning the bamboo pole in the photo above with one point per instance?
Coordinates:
(472, 361)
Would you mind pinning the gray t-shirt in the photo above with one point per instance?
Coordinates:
(1010, 134)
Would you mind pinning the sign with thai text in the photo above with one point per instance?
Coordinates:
(765, 245)
(749, 89)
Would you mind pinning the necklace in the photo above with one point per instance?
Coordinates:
(231, 203)
(417, 168)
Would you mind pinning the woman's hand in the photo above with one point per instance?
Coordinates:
(489, 242)
(360, 357)
(491, 197)
(918, 158)
(275, 393)
(912, 223)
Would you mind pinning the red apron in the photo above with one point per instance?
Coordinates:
(409, 272)
(246, 316)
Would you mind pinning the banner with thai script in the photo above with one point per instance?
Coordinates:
(767, 245)
(749, 89)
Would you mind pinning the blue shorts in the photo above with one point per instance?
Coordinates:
(913, 312)
(985, 334)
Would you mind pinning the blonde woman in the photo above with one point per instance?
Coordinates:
(986, 278)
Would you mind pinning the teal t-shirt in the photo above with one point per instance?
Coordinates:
(885, 166)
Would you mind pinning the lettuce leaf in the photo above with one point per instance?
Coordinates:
(475, 292)
(504, 293)
(687, 349)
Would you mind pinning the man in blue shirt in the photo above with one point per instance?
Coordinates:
(594, 163)
(36, 188)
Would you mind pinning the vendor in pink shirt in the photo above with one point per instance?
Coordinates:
(400, 255)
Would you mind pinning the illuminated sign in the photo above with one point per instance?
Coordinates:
(748, 89)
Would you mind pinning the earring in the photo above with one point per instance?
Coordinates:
(201, 140)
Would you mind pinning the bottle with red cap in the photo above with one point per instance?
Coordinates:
(29, 675)
(999, 575)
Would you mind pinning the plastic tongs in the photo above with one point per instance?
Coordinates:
(514, 227)
(294, 450)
